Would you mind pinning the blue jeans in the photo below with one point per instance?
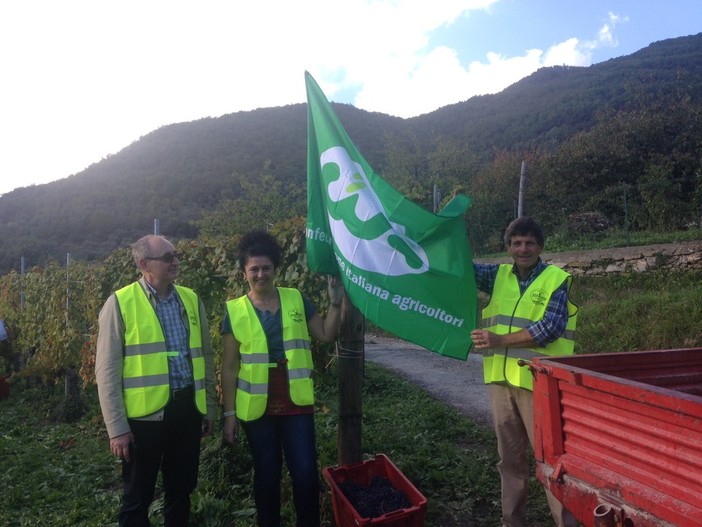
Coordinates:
(269, 438)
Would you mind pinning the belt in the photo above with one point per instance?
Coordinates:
(182, 393)
(280, 364)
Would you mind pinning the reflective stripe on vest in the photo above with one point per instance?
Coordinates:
(521, 323)
(145, 364)
(252, 385)
(510, 311)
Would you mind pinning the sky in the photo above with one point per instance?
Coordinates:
(82, 79)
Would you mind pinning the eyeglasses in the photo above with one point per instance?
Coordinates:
(166, 258)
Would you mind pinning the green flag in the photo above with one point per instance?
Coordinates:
(406, 269)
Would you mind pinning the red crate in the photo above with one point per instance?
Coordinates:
(345, 515)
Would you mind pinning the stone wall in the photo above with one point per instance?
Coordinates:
(673, 256)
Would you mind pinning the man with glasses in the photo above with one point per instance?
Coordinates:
(155, 374)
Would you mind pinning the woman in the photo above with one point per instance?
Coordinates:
(266, 379)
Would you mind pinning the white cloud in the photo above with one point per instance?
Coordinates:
(569, 53)
(574, 52)
(409, 79)
(435, 78)
(87, 78)
(606, 35)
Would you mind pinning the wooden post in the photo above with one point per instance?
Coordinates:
(351, 355)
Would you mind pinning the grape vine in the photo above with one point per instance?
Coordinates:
(57, 322)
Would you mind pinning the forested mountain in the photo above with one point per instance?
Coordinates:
(553, 103)
(629, 125)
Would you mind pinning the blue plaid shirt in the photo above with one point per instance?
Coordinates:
(543, 331)
(168, 311)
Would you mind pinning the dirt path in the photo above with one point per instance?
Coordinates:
(455, 382)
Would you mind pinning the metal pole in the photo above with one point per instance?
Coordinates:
(626, 217)
(437, 198)
(157, 227)
(522, 186)
(22, 297)
(68, 286)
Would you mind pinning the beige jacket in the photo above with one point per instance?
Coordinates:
(108, 366)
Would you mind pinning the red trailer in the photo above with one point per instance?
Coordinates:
(618, 436)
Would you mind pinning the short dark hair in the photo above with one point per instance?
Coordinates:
(524, 226)
(258, 243)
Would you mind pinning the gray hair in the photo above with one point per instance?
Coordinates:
(142, 247)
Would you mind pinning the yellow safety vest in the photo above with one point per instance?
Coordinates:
(510, 311)
(252, 385)
(145, 380)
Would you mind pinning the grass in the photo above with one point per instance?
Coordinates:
(52, 473)
(63, 474)
(646, 311)
(618, 238)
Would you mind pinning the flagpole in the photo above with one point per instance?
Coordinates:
(351, 356)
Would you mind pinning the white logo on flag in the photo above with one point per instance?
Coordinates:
(391, 253)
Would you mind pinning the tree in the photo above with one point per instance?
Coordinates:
(265, 200)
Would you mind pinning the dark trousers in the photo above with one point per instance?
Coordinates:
(269, 437)
(173, 446)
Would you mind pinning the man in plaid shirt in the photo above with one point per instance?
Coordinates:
(154, 368)
(528, 315)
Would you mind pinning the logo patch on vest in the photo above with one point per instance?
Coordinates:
(539, 297)
(296, 316)
(193, 319)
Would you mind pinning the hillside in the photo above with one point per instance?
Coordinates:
(554, 103)
(181, 172)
